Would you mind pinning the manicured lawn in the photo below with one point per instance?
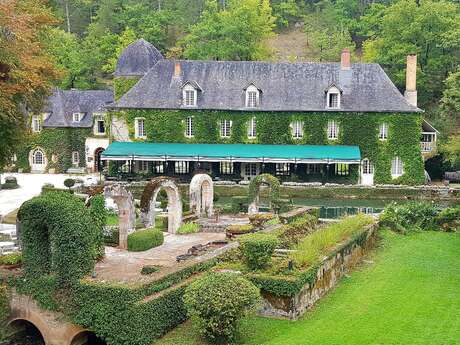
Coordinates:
(408, 294)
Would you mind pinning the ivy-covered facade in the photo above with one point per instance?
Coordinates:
(216, 102)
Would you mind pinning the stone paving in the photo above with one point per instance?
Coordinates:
(123, 266)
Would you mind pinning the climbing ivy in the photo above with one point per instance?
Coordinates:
(359, 129)
(257, 181)
(58, 236)
(123, 85)
(57, 142)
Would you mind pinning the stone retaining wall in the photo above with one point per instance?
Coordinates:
(328, 275)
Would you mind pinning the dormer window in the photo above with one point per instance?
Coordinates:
(252, 97)
(76, 117)
(189, 95)
(333, 97)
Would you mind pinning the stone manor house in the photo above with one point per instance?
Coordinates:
(328, 122)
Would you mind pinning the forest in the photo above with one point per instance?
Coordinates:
(75, 44)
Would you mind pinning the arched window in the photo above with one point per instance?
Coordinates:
(38, 157)
(252, 97)
(368, 168)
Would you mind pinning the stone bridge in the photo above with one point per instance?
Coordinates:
(54, 329)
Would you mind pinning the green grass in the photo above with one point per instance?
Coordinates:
(410, 294)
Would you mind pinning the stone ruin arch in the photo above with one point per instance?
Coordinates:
(126, 211)
(149, 198)
(254, 191)
(202, 195)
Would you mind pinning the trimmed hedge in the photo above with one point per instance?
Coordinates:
(4, 311)
(58, 236)
(142, 240)
(188, 228)
(257, 249)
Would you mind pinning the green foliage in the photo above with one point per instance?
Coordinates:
(355, 129)
(149, 269)
(4, 311)
(257, 249)
(142, 240)
(99, 216)
(69, 182)
(239, 204)
(291, 234)
(234, 33)
(428, 28)
(410, 216)
(122, 85)
(273, 183)
(60, 142)
(11, 259)
(58, 236)
(188, 228)
(218, 301)
(258, 220)
(127, 37)
(449, 219)
(313, 247)
(286, 12)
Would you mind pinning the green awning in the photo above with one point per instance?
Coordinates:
(232, 152)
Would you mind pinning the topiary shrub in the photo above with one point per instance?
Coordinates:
(99, 215)
(188, 228)
(217, 302)
(239, 204)
(58, 236)
(149, 269)
(69, 182)
(257, 249)
(145, 239)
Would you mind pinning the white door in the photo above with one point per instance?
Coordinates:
(38, 161)
(367, 173)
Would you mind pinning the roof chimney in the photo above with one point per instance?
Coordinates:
(177, 69)
(345, 62)
(411, 80)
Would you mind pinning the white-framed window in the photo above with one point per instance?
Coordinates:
(99, 125)
(368, 167)
(250, 169)
(36, 124)
(332, 130)
(252, 97)
(139, 128)
(225, 128)
(312, 169)
(252, 131)
(181, 167)
(143, 166)
(76, 117)
(297, 129)
(333, 98)
(342, 169)
(75, 158)
(383, 131)
(397, 167)
(189, 133)
(158, 167)
(283, 169)
(226, 168)
(189, 96)
(38, 157)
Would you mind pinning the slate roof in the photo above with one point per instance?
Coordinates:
(63, 103)
(137, 58)
(284, 86)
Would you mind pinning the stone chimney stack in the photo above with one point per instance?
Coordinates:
(177, 69)
(411, 80)
(345, 59)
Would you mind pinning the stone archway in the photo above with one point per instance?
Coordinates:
(126, 211)
(254, 191)
(202, 195)
(149, 198)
